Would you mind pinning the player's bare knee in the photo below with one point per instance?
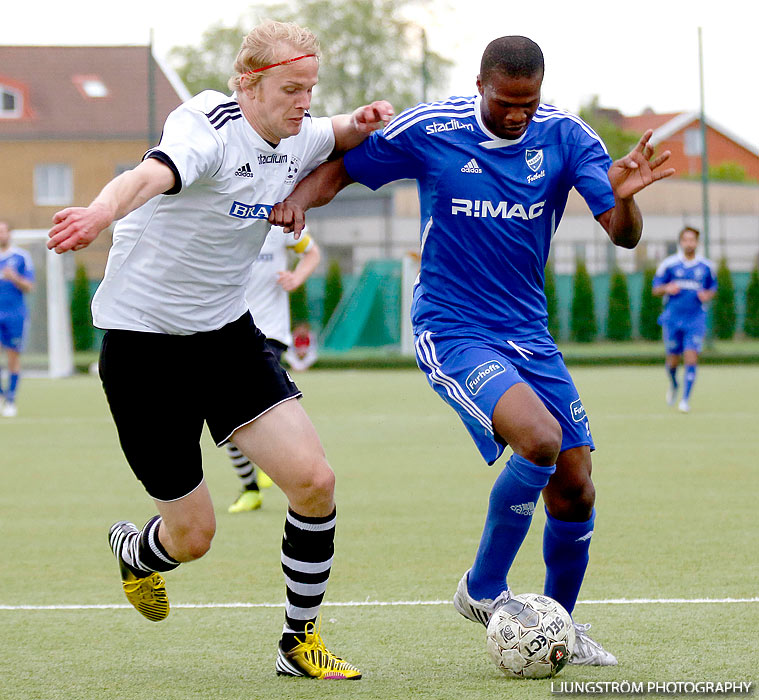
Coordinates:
(543, 449)
(571, 501)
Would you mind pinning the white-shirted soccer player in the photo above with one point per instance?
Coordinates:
(494, 173)
(268, 299)
(688, 282)
(180, 346)
(16, 280)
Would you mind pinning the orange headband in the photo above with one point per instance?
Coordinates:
(282, 63)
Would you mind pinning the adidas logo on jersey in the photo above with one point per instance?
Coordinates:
(244, 171)
(471, 167)
(524, 509)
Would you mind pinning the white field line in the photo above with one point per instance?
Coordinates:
(390, 603)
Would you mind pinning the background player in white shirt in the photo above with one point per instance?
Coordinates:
(192, 218)
(494, 173)
(268, 297)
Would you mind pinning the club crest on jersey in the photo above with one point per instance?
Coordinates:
(482, 374)
(292, 169)
(534, 159)
(240, 210)
(577, 410)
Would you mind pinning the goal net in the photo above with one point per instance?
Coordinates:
(49, 348)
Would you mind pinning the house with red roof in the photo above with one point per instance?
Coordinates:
(73, 117)
(680, 133)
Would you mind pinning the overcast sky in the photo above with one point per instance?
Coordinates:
(632, 55)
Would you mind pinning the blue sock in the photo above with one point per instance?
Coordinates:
(565, 552)
(672, 371)
(12, 384)
(512, 503)
(690, 380)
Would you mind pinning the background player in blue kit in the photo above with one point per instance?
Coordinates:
(494, 172)
(16, 279)
(688, 282)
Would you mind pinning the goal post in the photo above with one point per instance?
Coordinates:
(49, 346)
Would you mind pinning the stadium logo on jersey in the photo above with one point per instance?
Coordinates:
(452, 125)
(273, 158)
(240, 210)
(471, 167)
(577, 410)
(484, 209)
(482, 374)
(244, 171)
(523, 509)
(292, 170)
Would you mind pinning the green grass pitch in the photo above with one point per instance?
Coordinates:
(677, 521)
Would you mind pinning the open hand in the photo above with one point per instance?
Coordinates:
(638, 169)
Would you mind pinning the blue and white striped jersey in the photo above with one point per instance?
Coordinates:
(691, 276)
(489, 208)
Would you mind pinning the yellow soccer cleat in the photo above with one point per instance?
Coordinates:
(263, 479)
(147, 594)
(310, 658)
(246, 501)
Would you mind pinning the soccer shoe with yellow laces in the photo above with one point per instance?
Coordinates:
(246, 501)
(147, 594)
(310, 658)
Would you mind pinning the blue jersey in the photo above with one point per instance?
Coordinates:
(691, 276)
(11, 297)
(489, 208)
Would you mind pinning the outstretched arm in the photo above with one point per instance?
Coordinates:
(315, 190)
(290, 280)
(351, 129)
(75, 228)
(628, 176)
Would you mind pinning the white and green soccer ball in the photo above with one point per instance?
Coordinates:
(530, 636)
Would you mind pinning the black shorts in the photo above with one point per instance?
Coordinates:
(162, 388)
(277, 348)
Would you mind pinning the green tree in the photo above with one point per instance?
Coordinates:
(619, 142)
(650, 307)
(299, 305)
(333, 291)
(751, 322)
(723, 313)
(583, 319)
(81, 321)
(552, 302)
(368, 53)
(618, 320)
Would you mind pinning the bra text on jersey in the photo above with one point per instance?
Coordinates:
(452, 125)
(241, 210)
(484, 209)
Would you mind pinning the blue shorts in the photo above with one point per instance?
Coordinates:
(679, 337)
(471, 374)
(12, 331)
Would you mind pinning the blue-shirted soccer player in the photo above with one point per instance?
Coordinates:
(688, 283)
(16, 279)
(494, 172)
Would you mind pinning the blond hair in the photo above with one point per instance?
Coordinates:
(263, 46)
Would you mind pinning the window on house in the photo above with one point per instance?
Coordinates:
(53, 184)
(91, 86)
(10, 103)
(692, 145)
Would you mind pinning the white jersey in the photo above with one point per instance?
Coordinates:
(180, 263)
(268, 302)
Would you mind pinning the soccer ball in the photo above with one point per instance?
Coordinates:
(530, 636)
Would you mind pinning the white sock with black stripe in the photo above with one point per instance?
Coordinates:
(244, 468)
(307, 553)
(143, 552)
